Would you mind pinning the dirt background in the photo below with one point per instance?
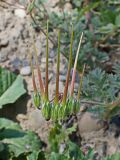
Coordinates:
(15, 43)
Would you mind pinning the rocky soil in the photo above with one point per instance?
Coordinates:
(15, 44)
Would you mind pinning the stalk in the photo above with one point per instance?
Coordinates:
(68, 72)
(39, 72)
(80, 84)
(75, 65)
(33, 76)
(57, 73)
(47, 52)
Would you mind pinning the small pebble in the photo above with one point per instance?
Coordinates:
(20, 13)
(25, 71)
(4, 42)
(2, 58)
(61, 87)
(62, 78)
(52, 53)
(16, 63)
(43, 60)
(25, 62)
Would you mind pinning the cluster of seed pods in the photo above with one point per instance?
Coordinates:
(62, 105)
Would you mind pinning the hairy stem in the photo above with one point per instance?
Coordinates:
(75, 65)
(33, 76)
(68, 72)
(38, 70)
(58, 68)
(47, 52)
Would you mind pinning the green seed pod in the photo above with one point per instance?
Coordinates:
(65, 111)
(37, 99)
(56, 112)
(46, 110)
(60, 112)
(70, 106)
(76, 107)
(53, 113)
(73, 106)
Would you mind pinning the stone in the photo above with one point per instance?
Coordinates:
(43, 60)
(88, 123)
(4, 54)
(63, 69)
(37, 120)
(25, 71)
(38, 123)
(4, 42)
(16, 63)
(3, 58)
(61, 87)
(25, 62)
(20, 13)
(52, 53)
(62, 78)
(76, 86)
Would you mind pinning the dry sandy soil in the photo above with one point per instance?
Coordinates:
(15, 37)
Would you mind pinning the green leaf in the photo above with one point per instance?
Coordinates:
(71, 129)
(18, 142)
(33, 156)
(6, 79)
(24, 144)
(11, 87)
(75, 152)
(56, 156)
(8, 124)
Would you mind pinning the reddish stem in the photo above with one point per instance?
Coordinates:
(38, 71)
(68, 72)
(47, 52)
(75, 65)
(58, 68)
